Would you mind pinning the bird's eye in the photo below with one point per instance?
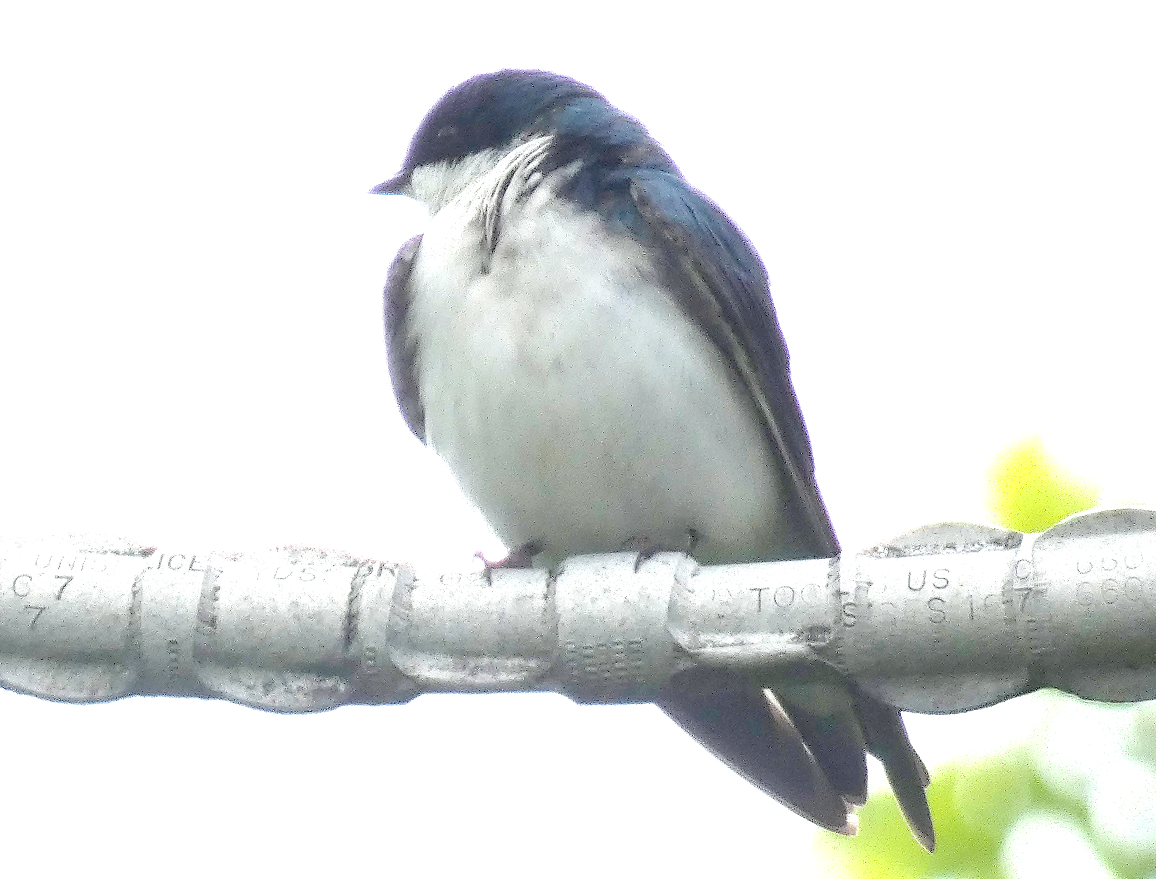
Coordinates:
(446, 132)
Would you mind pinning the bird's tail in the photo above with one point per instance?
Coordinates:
(805, 745)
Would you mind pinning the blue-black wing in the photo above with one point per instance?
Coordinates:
(721, 283)
(400, 347)
(624, 174)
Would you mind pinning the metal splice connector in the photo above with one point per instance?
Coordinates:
(946, 618)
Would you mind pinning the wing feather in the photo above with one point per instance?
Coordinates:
(400, 344)
(723, 285)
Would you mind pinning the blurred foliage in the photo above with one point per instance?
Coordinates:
(975, 804)
(1029, 491)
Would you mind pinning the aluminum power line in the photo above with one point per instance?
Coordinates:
(945, 618)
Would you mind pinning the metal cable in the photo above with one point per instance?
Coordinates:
(945, 618)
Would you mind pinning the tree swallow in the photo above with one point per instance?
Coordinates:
(589, 343)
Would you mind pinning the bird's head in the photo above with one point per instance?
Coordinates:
(477, 124)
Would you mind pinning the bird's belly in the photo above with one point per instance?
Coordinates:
(579, 412)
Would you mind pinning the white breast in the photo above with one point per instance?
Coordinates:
(576, 404)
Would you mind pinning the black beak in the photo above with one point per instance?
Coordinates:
(394, 185)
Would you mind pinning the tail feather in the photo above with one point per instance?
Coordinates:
(806, 745)
(887, 740)
(825, 718)
(731, 716)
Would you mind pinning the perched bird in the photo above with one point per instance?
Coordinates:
(590, 344)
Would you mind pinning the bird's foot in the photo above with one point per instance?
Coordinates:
(519, 557)
(647, 547)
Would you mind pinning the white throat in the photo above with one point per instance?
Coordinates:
(486, 176)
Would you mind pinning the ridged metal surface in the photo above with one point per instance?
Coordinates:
(942, 619)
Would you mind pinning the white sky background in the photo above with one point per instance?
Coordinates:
(957, 212)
